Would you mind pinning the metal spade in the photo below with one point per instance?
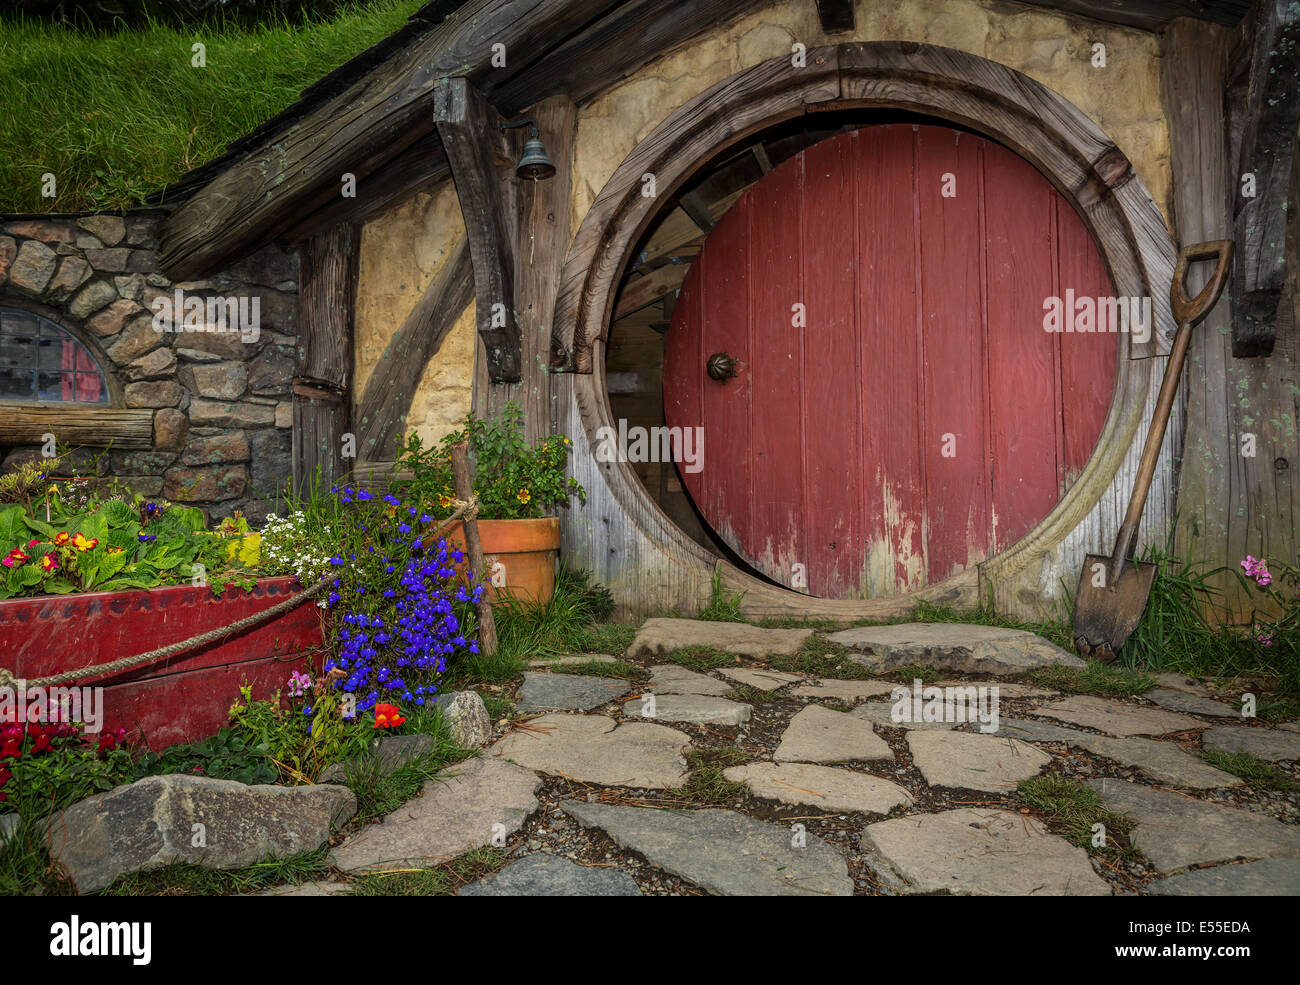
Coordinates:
(1113, 591)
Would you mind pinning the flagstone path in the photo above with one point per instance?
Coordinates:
(749, 780)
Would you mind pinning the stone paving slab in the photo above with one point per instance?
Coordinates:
(819, 735)
(1117, 717)
(725, 853)
(672, 679)
(976, 852)
(701, 709)
(1267, 877)
(544, 874)
(1175, 831)
(764, 680)
(1029, 730)
(960, 647)
(659, 636)
(573, 658)
(1194, 704)
(568, 692)
(971, 761)
(882, 714)
(1262, 743)
(830, 788)
(460, 810)
(596, 749)
(1181, 682)
(837, 690)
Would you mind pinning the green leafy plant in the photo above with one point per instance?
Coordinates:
(301, 745)
(228, 755)
(512, 479)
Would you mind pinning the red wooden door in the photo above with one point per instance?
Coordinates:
(899, 413)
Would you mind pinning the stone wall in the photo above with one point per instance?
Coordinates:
(222, 405)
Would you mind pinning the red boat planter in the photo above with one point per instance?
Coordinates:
(180, 698)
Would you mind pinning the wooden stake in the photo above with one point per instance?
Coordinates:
(465, 491)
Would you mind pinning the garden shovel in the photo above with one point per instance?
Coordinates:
(1113, 590)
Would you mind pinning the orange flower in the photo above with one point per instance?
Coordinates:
(388, 716)
(444, 501)
(114, 550)
(63, 538)
(80, 542)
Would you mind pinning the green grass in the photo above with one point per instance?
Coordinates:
(1071, 809)
(723, 606)
(917, 672)
(752, 695)
(1174, 635)
(184, 879)
(440, 880)
(706, 784)
(604, 668)
(117, 115)
(378, 793)
(1104, 680)
(700, 658)
(497, 706)
(1259, 773)
(823, 658)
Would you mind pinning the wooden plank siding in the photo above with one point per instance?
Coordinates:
(921, 405)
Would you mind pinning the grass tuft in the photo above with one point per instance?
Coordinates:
(1105, 680)
(1071, 809)
(1259, 773)
(438, 880)
(706, 784)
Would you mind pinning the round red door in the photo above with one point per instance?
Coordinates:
(899, 412)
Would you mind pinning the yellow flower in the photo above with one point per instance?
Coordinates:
(523, 495)
(566, 441)
(444, 501)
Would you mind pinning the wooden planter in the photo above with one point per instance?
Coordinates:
(526, 551)
(178, 699)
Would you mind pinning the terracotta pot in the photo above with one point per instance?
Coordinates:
(526, 551)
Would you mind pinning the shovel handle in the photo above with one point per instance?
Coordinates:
(1193, 310)
(1188, 314)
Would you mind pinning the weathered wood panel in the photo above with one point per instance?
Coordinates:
(540, 242)
(908, 315)
(323, 376)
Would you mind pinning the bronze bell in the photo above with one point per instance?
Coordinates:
(721, 367)
(535, 165)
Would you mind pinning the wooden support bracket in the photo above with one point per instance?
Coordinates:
(476, 149)
(1266, 115)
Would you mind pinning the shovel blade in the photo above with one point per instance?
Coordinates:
(1105, 615)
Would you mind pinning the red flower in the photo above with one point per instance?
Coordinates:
(16, 558)
(11, 748)
(61, 539)
(48, 564)
(388, 716)
(43, 744)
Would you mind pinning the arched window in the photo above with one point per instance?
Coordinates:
(41, 362)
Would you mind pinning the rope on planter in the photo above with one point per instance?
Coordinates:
(464, 510)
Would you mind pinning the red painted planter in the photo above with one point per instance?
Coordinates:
(179, 699)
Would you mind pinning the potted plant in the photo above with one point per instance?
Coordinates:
(516, 484)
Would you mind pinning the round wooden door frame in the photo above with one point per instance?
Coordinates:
(1067, 147)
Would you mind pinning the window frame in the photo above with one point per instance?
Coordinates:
(107, 368)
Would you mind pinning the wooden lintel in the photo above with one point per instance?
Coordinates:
(83, 426)
(759, 151)
(382, 411)
(835, 15)
(474, 141)
(1266, 117)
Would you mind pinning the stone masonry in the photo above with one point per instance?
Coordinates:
(222, 406)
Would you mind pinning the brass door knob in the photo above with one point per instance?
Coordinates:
(721, 367)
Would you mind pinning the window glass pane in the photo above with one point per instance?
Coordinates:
(52, 386)
(18, 322)
(41, 361)
(15, 384)
(16, 352)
